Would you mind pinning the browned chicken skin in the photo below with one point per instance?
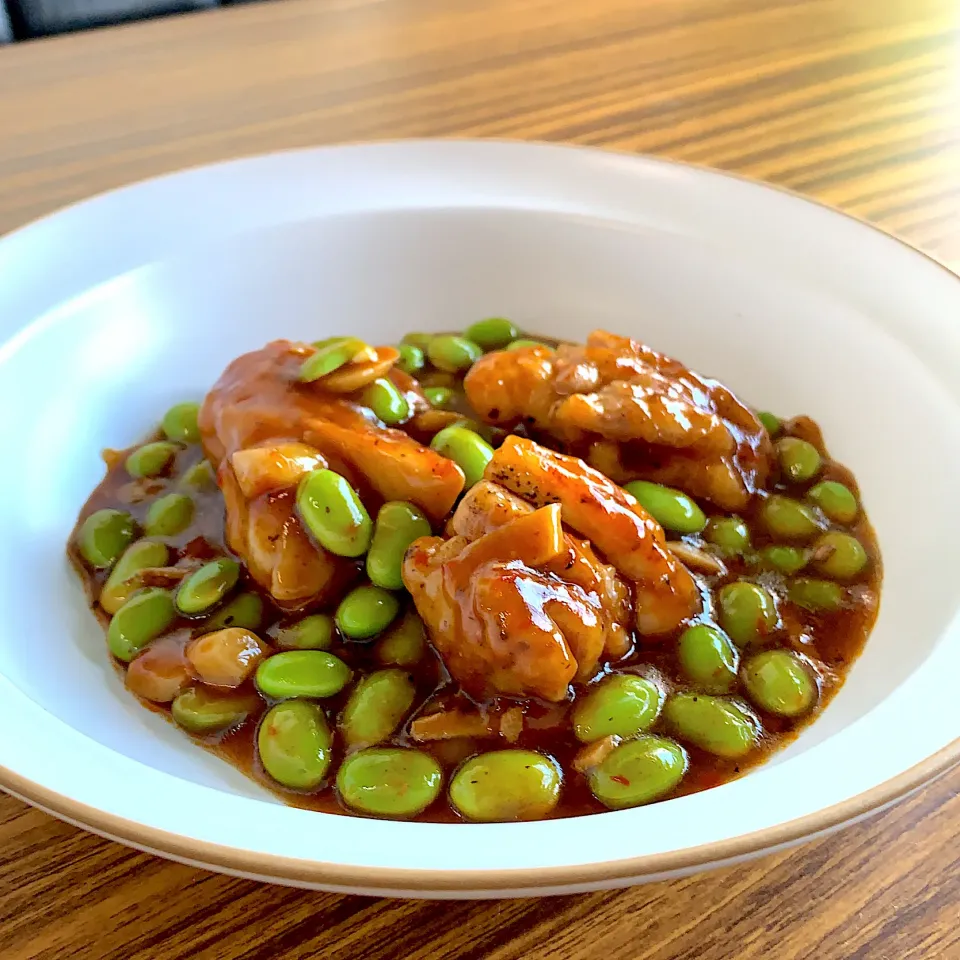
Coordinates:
(263, 430)
(632, 412)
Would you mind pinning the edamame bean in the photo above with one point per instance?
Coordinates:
(506, 785)
(244, 610)
(493, 333)
(404, 643)
(453, 353)
(785, 559)
(835, 500)
(398, 524)
(523, 343)
(180, 423)
(389, 783)
(638, 772)
(799, 459)
(839, 555)
(779, 682)
(747, 612)
(123, 581)
(201, 711)
(206, 587)
(104, 535)
(366, 611)
(386, 401)
(318, 344)
(309, 633)
(295, 744)
(771, 423)
(818, 596)
(465, 448)
(334, 355)
(789, 519)
(730, 534)
(672, 509)
(139, 621)
(169, 515)
(722, 727)
(375, 707)
(302, 673)
(441, 397)
(333, 513)
(708, 658)
(151, 459)
(421, 340)
(200, 476)
(622, 705)
(411, 359)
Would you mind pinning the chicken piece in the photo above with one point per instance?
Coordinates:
(665, 593)
(486, 506)
(277, 466)
(500, 622)
(653, 418)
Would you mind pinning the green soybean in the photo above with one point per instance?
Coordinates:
(799, 460)
(771, 423)
(506, 785)
(748, 613)
(818, 596)
(779, 682)
(337, 353)
(672, 509)
(835, 500)
(789, 519)
(389, 782)
(244, 610)
(453, 353)
(404, 643)
(398, 524)
(314, 632)
(201, 711)
(421, 340)
(467, 449)
(839, 555)
(206, 587)
(169, 515)
(180, 423)
(302, 673)
(622, 705)
(493, 333)
(375, 708)
(440, 397)
(295, 744)
(720, 726)
(200, 476)
(333, 513)
(784, 558)
(523, 343)
(366, 611)
(123, 580)
(638, 772)
(708, 658)
(384, 398)
(139, 621)
(104, 535)
(327, 341)
(730, 534)
(151, 459)
(411, 359)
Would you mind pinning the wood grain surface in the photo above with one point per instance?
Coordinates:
(856, 102)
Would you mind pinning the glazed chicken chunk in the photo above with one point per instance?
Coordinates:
(263, 430)
(632, 412)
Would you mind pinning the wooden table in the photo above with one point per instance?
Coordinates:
(853, 101)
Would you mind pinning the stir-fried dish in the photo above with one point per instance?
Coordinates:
(479, 577)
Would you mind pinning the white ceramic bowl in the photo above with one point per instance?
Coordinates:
(113, 309)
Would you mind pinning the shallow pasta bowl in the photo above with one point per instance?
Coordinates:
(113, 309)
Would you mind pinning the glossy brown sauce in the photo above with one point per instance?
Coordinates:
(834, 640)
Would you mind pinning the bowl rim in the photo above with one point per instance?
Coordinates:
(371, 878)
